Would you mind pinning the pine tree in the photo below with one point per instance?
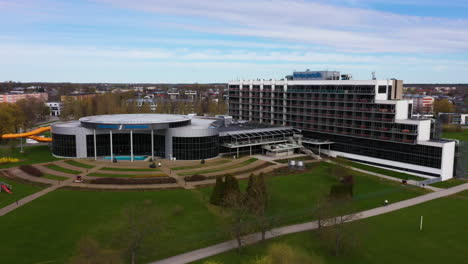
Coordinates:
(256, 193)
(232, 193)
(217, 194)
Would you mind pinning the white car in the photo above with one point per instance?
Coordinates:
(31, 141)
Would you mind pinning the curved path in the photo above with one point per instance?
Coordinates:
(33, 196)
(253, 238)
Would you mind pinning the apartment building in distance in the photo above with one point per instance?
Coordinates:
(367, 120)
(422, 104)
(15, 97)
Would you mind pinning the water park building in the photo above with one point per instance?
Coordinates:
(181, 137)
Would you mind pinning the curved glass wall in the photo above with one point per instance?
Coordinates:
(64, 145)
(195, 148)
(121, 144)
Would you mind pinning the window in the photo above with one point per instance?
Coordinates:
(64, 145)
(382, 89)
(195, 148)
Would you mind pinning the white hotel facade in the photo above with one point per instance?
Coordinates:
(367, 120)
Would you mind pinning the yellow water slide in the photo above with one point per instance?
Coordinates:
(31, 134)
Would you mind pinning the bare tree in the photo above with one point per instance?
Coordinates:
(240, 223)
(335, 233)
(141, 221)
(256, 199)
(88, 251)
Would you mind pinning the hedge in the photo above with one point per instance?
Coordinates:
(159, 180)
(33, 171)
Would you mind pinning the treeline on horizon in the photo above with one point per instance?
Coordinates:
(122, 103)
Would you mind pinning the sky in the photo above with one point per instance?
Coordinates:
(188, 41)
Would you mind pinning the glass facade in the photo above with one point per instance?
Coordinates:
(415, 154)
(195, 148)
(121, 144)
(64, 145)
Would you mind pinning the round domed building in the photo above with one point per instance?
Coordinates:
(136, 136)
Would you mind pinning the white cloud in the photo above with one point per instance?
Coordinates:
(344, 28)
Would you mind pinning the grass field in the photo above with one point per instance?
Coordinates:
(62, 169)
(115, 175)
(54, 177)
(214, 163)
(31, 155)
(64, 216)
(79, 164)
(224, 168)
(127, 169)
(391, 173)
(19, 190)
(390, 238)
(449, 183)
(456, 135)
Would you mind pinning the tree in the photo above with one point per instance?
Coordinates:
(443, 106)
(239, 224)
(336, 234)
(34, 110)
(11, 118)
(140, 221)
(217, 195)
(232, 194)
(88, 251)
(256, 200)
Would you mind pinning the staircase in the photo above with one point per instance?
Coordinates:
(304, 149)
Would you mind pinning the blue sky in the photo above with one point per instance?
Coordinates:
(424, 41)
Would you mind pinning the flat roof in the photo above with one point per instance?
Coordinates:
(124, 119)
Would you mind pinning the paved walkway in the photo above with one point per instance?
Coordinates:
(253, 238)
(32, 197)
(410, 182)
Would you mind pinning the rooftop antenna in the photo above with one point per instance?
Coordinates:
(373, 76)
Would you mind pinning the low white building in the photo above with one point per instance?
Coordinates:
(55, 108)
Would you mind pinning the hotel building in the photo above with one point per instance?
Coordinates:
(367, 120)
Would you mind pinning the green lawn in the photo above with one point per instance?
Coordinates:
(215, 163)
(390, 238)
(62, 169)
(79, 164)
(19, 190)
(110, 175)
(31, 155)
(229, 167)
(64, 216)
(463, 135)
(54, 177)
(391, 173)
(449, 183)
(127, 169)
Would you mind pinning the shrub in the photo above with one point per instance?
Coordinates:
(178, 210)
(33, 171)
(150, 175)
(341, 190)
(452, 128)
(282, 253)
(217, 195)
(195, 177)
(156, 180)
(6, 160)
